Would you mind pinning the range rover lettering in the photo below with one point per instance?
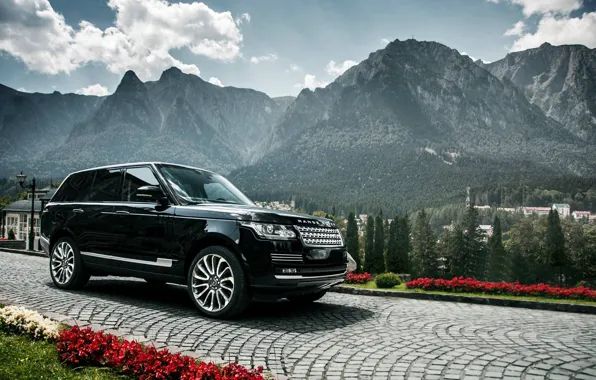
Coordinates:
(179, 224)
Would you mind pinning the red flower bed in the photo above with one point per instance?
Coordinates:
(86, 347)
(358, 278)
(470, 285)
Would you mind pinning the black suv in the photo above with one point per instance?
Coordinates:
(173, 223)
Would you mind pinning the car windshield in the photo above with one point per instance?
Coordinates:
(195, 186)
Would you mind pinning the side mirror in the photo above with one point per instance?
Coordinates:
(152, 193)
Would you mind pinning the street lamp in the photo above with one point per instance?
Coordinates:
(21, 178)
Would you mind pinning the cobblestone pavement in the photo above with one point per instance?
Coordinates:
(340, 337)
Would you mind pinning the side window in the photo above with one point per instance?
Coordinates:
(106, 186)
(135, 178)
(76, 188)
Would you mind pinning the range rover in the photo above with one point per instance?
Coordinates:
(173, 223)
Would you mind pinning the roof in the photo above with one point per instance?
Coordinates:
(115, 166)
(561, 205)
(22, 206)
(47, 196)
(582, 212)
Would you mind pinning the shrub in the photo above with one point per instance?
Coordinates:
(358, 278)
(387, 280)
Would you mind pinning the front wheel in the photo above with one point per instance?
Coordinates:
(307, 298)
(217, 283)
(66, 266)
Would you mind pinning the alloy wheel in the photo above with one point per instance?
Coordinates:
(63, 262)
(212, 282)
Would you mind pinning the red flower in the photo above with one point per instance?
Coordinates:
(470, 285)
(358, 278)
(85, 347)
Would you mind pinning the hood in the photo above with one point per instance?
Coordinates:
(250, 213)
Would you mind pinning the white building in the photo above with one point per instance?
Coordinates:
(535, 210)
(563, 209)
(579, 215)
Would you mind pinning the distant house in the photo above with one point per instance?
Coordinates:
(579, 215)
(17, 215)
(563, 209)
(487, 229)
(535, 210)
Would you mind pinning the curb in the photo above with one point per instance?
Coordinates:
(551, 306)
(24, 252)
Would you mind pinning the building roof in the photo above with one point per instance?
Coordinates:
(561, 205)
(22, 206)
(582, 212)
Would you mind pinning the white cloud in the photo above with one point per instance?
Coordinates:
(336, 69)
(516, 30)
(311, 82)
(262, 58)
(94, 89)
(294, 67)
(215, 81)
(385, 41)
(143, 34)
(243, 17)
(531, 7)
(560, 31)
(22, 89)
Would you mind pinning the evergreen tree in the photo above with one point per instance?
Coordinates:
(379, 246)
(497, 255)
(392, 258)
(453, 250)
(352, 243)
(424, 246)
(555, 245)
(403, 244)
(474, 254)
(369, 244)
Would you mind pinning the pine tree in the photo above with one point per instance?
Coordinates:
(352, 243)
(555, 245)
(379, 246)
(392, 258)
(474, 254)
(369, 244)
(404, 245)
(424, 247)
(453, 244)
(497, 261)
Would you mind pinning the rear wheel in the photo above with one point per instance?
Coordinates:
(66, 267)
(217, 283)
(307, 298)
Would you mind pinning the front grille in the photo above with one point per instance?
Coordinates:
(286, 258)
(320, 236)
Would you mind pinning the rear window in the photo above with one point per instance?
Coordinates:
(75, 188)
(91, 186)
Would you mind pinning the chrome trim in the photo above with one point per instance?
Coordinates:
(167, 263)
(286, 257)
(301, 277)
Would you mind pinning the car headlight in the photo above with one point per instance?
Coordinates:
(271, 231)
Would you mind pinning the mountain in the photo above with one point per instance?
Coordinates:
(412, 123)
(33, 123)
(178, 118)
(561, 80)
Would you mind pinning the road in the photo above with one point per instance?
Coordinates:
(341, 337)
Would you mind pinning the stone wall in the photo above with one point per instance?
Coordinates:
(13, 244)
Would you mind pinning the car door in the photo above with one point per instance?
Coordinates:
(145, 238)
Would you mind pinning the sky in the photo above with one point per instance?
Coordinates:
(275, 46)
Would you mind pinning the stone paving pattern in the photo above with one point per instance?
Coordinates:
(340, 337)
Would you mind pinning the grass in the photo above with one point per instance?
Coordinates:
(402, 288)
(24, 358)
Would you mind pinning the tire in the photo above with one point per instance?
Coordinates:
(67, 249)
(153, 282)
(307, 298)
(208, 280)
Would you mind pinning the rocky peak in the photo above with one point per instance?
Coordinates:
(171, 74)
(130, 83)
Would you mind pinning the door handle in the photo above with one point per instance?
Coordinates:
(122, 212)
(77, 210)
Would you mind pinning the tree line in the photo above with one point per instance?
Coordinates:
(535, 249)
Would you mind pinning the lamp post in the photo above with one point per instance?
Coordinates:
(21, 178)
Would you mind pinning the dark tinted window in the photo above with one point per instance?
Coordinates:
(76, 188)
(135, 178)
(106, 186)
